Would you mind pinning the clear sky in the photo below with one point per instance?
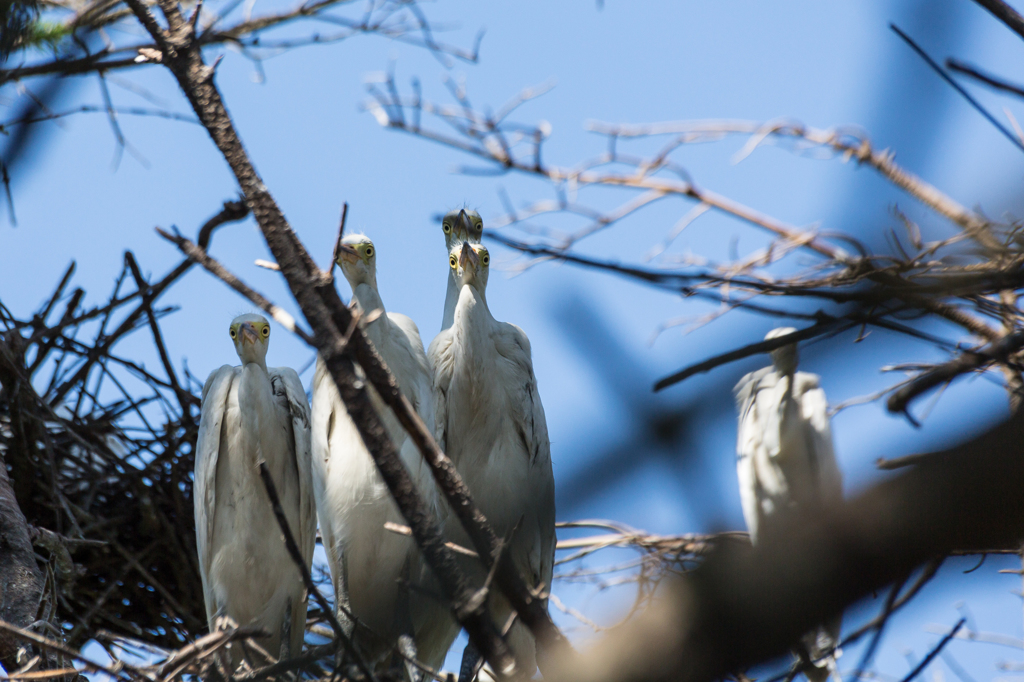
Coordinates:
(300, 115)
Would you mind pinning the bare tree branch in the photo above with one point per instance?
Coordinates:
(742, 607)
(1006, 14)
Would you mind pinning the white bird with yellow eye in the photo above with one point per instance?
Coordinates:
(250, 414)
(458, 226)
(786, 464)
(371, 567)
(491, 423)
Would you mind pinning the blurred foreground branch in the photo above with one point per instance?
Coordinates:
(742, 607)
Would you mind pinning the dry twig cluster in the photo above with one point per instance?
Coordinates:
(970, 279)
(103, 467)
(104, 490)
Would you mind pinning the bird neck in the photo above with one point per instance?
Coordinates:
(367, 296)
(471, 309)
(451, 299)
(368, 299)
(253, 358)
(255, 402)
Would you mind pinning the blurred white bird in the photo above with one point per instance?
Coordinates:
(458, 226)
(786, 463)
(252, 414)
(371, 567)
(491, 423)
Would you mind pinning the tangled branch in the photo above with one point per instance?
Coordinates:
(968, 279)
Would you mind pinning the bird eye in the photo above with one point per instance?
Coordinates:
(369, 251)
(446, 227)
(233, 333)
(265, 332)
(480, 225)
(486, 259)
(451, 261)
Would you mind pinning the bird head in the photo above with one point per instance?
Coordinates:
(784, 358)
(469, 264)
(462, 226)
(358, 260)
(251, 336)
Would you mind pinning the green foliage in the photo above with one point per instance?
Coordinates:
(17, 19)
(45, 33)
(21, 27)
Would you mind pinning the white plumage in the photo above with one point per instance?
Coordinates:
(370, 566)
(491, 423)
(785, 460)
(251, 414)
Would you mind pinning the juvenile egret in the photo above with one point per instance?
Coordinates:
(251, 414)
(785, 461)
(371, 567)
(458, 226)
(491, 423)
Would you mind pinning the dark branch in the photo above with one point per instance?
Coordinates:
(969, 361)
(1006, 14)
(307, 579)
(742, 608)
(998, 84)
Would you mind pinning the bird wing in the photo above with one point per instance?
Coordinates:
(526, 409)
(749, 441)
(326, 403)
(409, 363)
(298, 408)
(527, 413)
(414, 369)
(545, 496)
(442, 365)
(814, 410)
(211, 420)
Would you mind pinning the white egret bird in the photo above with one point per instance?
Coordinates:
(371, 567)
(785, 461)
(491, 423)
(458, 226)
(251, 414)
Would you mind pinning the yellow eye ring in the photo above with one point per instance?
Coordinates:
(232, 332)
(446, 227)
(265, 332)
(486, 259)
(369, 251)
(480, 225)
(452, 262)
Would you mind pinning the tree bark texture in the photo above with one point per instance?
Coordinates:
(21, 581)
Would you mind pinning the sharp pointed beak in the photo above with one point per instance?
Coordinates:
(468, 255)
(247, 333)
(346, 252)
(462, 225)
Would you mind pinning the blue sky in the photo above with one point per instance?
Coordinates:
(821, 63)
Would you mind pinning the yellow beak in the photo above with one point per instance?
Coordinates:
(468, 255)
(247, 333)
(346, 252)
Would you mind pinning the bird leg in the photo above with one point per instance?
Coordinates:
(343, 610)
(472, 661)
(222, 621)
(286, 632)
(406, 646)
(343, 606)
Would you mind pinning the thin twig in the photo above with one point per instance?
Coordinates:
(307, 579)
(934, 652)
